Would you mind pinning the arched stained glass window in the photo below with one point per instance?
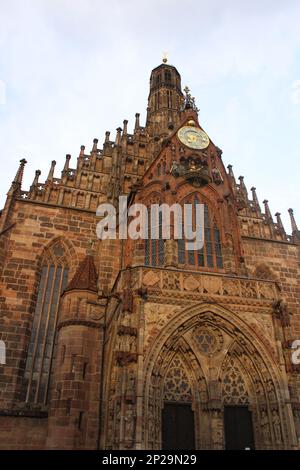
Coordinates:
(210, 255)
(53, 281)
(154, 248)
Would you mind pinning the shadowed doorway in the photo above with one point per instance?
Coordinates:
(178, 429)
(238, 428)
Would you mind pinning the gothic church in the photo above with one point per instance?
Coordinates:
(142, 344)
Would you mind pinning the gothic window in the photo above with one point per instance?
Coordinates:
(234, 388)
(177, 386)
(168, 76)
(210, 255)
(53, 281)
(154, 248)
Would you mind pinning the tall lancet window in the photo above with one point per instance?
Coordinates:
(210, 256)
(53, 280)
(154, 248)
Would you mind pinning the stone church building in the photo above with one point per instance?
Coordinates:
(143, 344)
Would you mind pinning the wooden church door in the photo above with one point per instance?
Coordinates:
(178, 428)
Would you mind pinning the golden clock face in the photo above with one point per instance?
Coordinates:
(193, 137)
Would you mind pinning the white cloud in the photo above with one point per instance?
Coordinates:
(2, 93)
(295, 94)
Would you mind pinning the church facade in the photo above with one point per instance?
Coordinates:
(143, 344)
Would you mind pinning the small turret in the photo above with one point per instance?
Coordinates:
(51, 171)
(267, 211)
(35, 180)
(255, 199)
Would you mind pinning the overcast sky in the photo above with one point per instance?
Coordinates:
(72, 69)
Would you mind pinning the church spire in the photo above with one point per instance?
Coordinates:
(165, 99)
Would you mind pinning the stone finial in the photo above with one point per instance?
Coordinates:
(125, 122)
(137, 121)
(107, 134)
(66, 166)
(36, 178)
(255, 198)
(118, 136)
(293, 221)
(95, 145)
(19, 175)
(51, 171)
(17, 181)
(279, 221)
(82, 149)
(230, 173)
(267, 210)
(243, 188)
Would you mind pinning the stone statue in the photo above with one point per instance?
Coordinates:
(264, 421)
(277, 427)
(129, 420)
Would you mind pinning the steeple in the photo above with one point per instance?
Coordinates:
(165, 99)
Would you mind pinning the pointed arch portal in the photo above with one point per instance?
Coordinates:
(209, 371)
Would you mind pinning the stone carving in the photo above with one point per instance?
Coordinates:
(248, 289)
(130, 392)
(127, 330)
(280, 310)
(151, 278)
(211, 285)
(95, 313)
(129, 424)
(124, 358)
(177, 387)
(194, 170)
(259, 390)
(127, 300)
(126, 342)
(262, 271)
(266, 290)
(231, 287)
(190, 283)
(216, 176)
(171, 281)
(209, 341)
(270, 391)
(277, 426)
(234, 387)
(264, 422)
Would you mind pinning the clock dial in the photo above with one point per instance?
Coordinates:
(193, 137)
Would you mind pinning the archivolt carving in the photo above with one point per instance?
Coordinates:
(248, 373)
(234, 389)
(177, 386)
(209, 340)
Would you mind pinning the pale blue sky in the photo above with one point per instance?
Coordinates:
(70, 70)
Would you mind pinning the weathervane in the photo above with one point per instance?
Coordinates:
(165, 57)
